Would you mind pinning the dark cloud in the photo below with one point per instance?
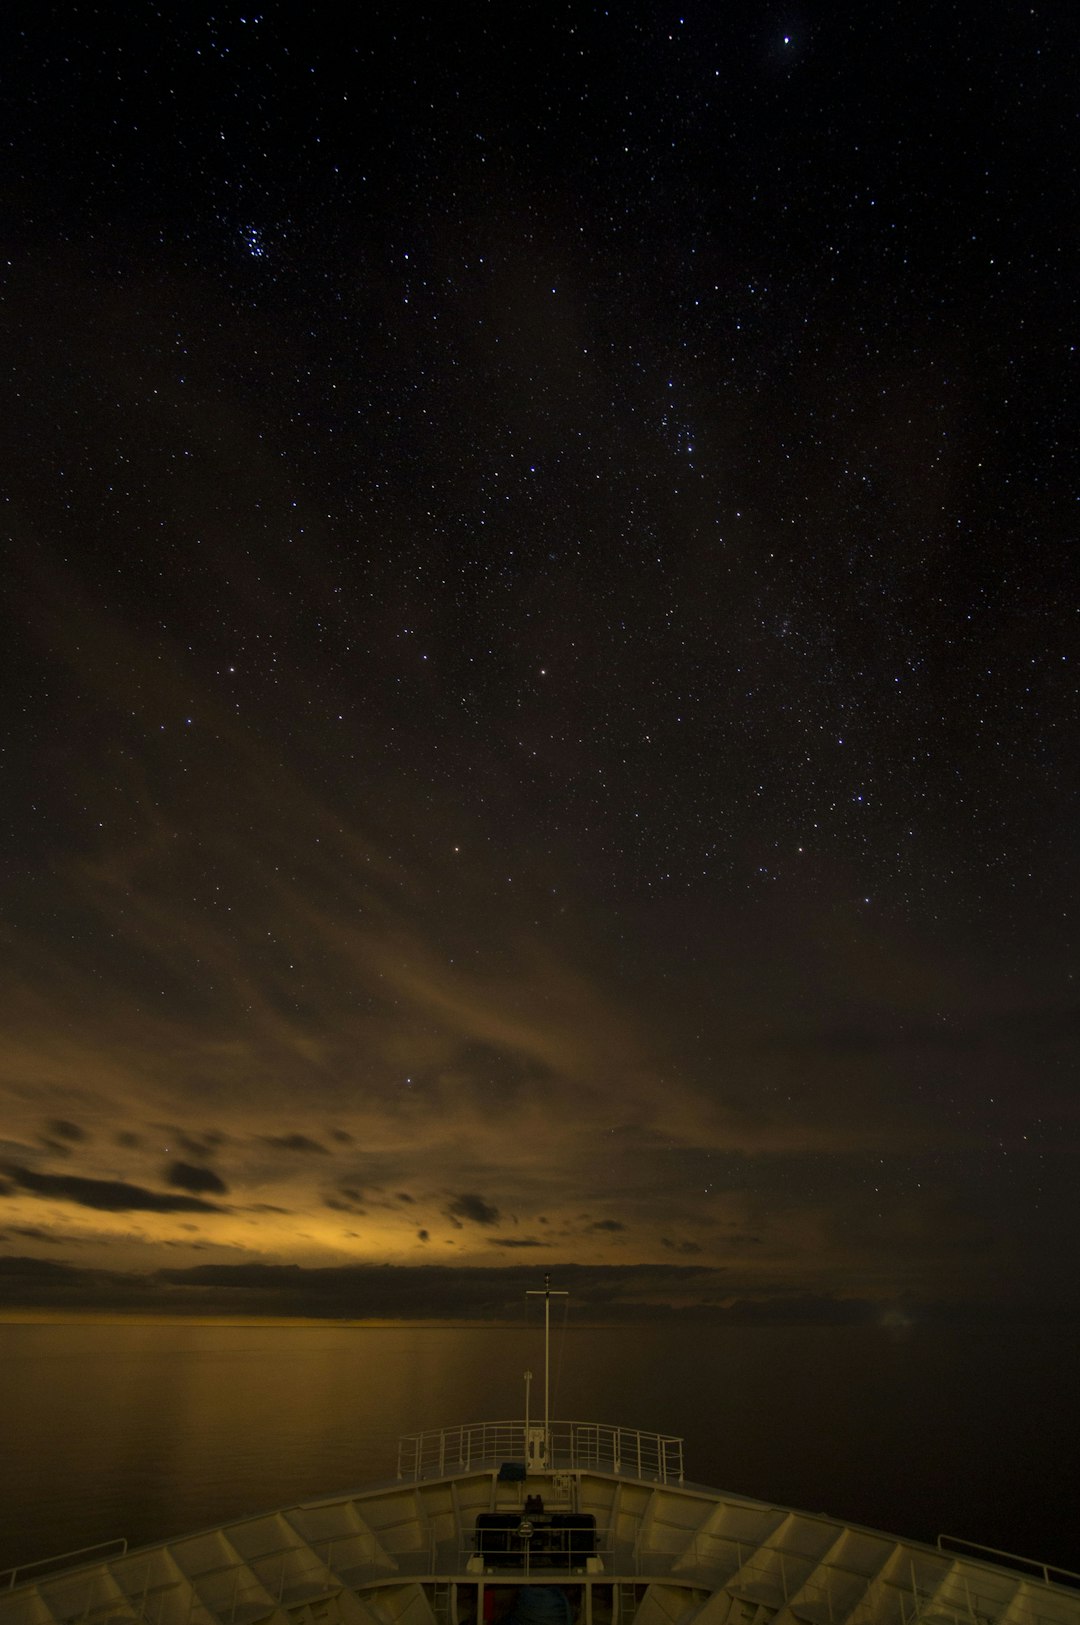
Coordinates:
(345, 1199)
(35, 1283)
(403, 1196)
(422, 1235)
(612, 1294)
(127, 1139)
(606, 1224)
(687, 1248)
(186, 1176)
(342, 1136)
(199, 1145)
(58, 1148)
(513, 1241)
(62, 1128)
(377, 1291)
(31, 1232)
(473, 1208)
(104, 1195)
(39, 1269)
(295, 1142)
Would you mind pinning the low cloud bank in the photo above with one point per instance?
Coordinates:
(600, 1294)
(422, 1292)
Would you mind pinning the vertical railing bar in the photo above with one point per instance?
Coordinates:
(145, 1589)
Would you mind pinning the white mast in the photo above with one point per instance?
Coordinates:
(547, 1295)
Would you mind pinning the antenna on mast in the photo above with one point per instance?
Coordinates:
(547, 1294)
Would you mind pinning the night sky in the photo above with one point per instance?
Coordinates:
(539, 678)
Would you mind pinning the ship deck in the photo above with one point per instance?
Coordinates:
(666, 1552)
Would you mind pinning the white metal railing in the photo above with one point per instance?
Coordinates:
(547, 1562)
(62, 1560)
(1050, 1572)
(656, 1457)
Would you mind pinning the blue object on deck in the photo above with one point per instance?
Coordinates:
(539, 1605)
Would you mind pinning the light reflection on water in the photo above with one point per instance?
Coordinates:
(151, 1430)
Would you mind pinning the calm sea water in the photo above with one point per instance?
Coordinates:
(148, 1431)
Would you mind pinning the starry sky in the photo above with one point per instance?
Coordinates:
(540, 666)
